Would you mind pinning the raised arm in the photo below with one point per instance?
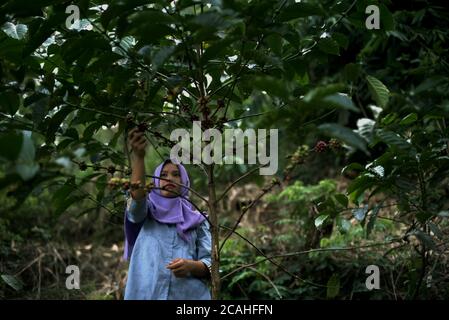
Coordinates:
(136, 202)
(138, 143)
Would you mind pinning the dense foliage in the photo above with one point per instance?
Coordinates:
(363, 140)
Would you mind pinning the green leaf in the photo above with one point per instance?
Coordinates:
(358, 186)
(329, 45)
(344, 134)
(18, 31)
(26, 7)
(54, 123)
(379, 91)
(361, 182)
(429, 84)
(344, 225)
(275, 43)
(409, 119)
(116, 8)
(386, 18)
(389, 118)
(320, 220)
(216, 50)
(212, 21)
(13, 282)
(151, 16)
(161, 56)
(101, 186)
(395, 140)
(322, 92)
(269, 84)
(158, 32)
(9, 101)
(340, 100)
(333, 286)
(41, 30)
(342, 199)
(11, 144)
(63, 192)
(436, 231)
(425, 239)
(341, 39)
(352, 166)
(372, 220)
(351, 71)
(444, 214)
(151, 25)
(243, 275)
(300, 10)
(67, 202)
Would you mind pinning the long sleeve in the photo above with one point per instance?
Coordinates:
(136, 209)
(204, 244)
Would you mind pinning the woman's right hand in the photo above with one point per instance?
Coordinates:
(138, 142)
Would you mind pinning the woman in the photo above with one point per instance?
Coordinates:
(167, 241)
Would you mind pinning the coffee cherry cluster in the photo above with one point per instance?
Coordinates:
(320, 146)
(273, 182)
(204, 107)
(298, 157)
(202, 101)
(334, 144)
(125, 184)
(131, 123)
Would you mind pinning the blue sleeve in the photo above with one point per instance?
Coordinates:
(204, 243)
(136, 209)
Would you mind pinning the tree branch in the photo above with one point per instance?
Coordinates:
(237, 181)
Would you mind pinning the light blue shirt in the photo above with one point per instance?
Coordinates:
(156, 246)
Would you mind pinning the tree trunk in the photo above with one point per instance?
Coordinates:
(215, 272)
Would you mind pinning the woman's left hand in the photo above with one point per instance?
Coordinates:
(181, 267)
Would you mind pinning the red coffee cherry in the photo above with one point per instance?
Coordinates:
(320, 146)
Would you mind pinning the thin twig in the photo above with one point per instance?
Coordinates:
(237, 181)
(271, 260)
(285, 255)
(243, 211)
(268, 279)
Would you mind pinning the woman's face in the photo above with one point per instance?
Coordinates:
(170, 171)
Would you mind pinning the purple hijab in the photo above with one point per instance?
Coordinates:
(175, 210)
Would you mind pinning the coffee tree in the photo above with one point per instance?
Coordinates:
(77, 75)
